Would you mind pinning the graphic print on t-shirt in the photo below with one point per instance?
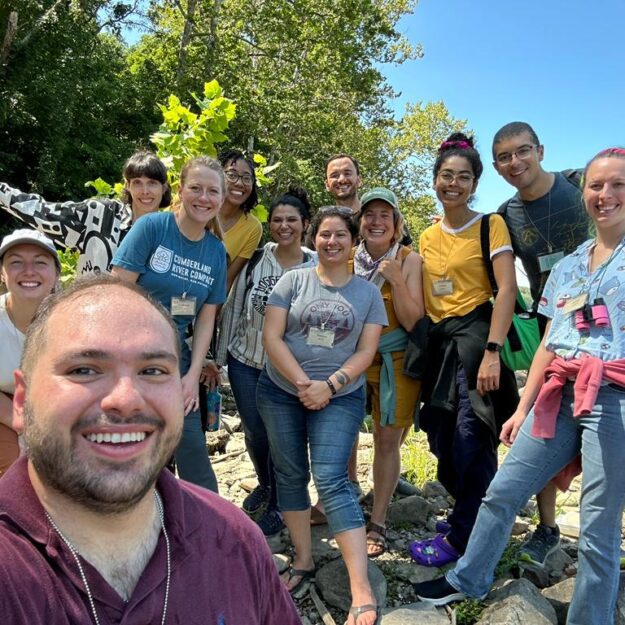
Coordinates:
(333, 314)
(187, 269)
(261, 292)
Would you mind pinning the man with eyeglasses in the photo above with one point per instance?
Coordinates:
(547, 221)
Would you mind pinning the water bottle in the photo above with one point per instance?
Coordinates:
(213, 408)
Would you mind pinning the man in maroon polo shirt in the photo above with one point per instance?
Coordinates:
(92, 529)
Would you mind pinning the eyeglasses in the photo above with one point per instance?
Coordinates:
(463, 179)
(524, 152)
(232, 176)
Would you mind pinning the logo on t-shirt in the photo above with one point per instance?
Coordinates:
(331, 314)
(261, 293)
(161, 259)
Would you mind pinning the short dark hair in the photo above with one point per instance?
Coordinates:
(458, 144)
(296, 197)
(514, 129)
(342, 155)
(146, 163)
(233, 156)
(36, 336)
(342, 212)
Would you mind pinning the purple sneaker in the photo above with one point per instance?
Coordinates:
(433, 551)
(442, 527)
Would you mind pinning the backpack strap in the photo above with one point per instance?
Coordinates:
(513, 336)
(485, 244)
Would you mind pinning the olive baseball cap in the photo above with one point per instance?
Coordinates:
(379, 193)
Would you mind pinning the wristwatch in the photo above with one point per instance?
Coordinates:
(493, 347)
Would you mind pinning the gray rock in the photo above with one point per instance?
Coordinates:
(333, 584)
(414, 573)
(553, 571)
(520, 527)
(431, 490)
(413, 509)
(413, 614)
(560, 596)
(518, 603)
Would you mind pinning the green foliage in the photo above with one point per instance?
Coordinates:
(468, 612)
(417, 462)
(184, 134)
(69, 261)
(510, 559)
(306, 76)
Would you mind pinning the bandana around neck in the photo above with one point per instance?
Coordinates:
(367, 268)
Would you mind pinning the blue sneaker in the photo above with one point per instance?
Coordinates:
(257, 501)
(271, 522)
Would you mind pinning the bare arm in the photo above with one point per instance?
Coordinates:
(276, 349)
(202, 335)
(535, 378)
(125, 274)
(490, 368)
(316, 394)
(407, 288)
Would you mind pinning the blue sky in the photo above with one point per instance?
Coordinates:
(559, 65)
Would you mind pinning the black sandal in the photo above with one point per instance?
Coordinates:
(372, 541)
(304, 575)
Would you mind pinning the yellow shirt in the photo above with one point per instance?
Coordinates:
(243, 238)
(456, 255)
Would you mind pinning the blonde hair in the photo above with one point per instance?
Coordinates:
(214, 165)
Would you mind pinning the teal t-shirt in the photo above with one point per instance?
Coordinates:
(169, 264)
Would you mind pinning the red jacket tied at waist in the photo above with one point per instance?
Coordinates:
(589, 372)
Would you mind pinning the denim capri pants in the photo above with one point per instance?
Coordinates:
(329, 435)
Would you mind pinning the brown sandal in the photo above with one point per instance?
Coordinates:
(378, 542)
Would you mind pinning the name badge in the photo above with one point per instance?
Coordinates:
(320, 337)
(575, 303)
(547, 261)
(183, 306)
(442, 287)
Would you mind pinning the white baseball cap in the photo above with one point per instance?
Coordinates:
(29, 237)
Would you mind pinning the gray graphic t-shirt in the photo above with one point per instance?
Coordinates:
(312, 307)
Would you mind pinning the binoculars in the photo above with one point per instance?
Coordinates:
(595, 314)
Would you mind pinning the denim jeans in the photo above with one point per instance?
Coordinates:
(329, 434)
(192, 459)
(243, 380)
(529, 465)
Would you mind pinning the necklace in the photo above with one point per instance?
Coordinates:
(74, 552)
(546, 239)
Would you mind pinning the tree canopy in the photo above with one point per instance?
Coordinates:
(306, 77)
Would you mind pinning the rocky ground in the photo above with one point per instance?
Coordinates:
(522, 593)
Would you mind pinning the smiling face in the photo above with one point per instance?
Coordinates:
(377, 224)
(604, 194)
(455, 182)
(239, 182)
(146, 194)
(102, 407)
(286, 225)
(342, 180)
(333, 241)
(201, 194)
(29, 272)
(523, 172)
